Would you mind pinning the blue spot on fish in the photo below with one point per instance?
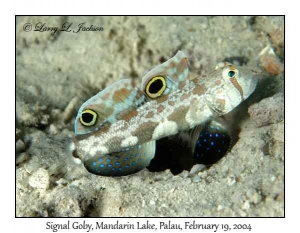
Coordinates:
(94, 163)
(117, 163)
(212, 143)
(102, 165)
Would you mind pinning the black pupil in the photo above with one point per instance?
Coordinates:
(156, 86)
(231, 73)
(87, 117)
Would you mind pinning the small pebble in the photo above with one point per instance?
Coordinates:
(45, 119)
(268, 111)
(19, 134)
(269, 198)
(243, 214)
(250, 193)
(61, 181)
(20, 146)
(40, 179)
(152, 202)
(270, 62)
(22, 158)
(70, 109)
(246, 205)
(196, 168)
(53, 129)
(220, 207)
(31, 166)
(231, 180)
(184, 174)
(256, 198)
(196, 179)
(273, 178)
(56, 169)
(21, 178)
(55, 114)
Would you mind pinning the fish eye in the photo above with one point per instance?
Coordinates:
(156, 86)
(88, 117)
(231, 74)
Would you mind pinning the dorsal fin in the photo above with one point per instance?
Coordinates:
(169, 76)
(108, 106)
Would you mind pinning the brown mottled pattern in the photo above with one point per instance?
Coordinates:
(220, 91)
(171, 103)
(114, 143)
(162, 99)
(160, 108)
(129, 116)
(182, 65)
(96, 106)
(184, 97)
(121, 94)
(104, 128)
(103, 111)
(175, 76)
(221, 103)
(218, 82)
(199, 89)
(237, 86)
(123, 113)
(195, 80)
(178, 115)
(181, 84)
(172, 64)
(147, 128)
(106, 96)
(149, 115)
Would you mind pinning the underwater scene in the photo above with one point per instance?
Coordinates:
(150, 116)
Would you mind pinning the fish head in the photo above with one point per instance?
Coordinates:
(235, 85)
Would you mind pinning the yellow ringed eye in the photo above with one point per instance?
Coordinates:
(156, 86)
(88, 117)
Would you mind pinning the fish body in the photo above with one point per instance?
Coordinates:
(116, 130)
